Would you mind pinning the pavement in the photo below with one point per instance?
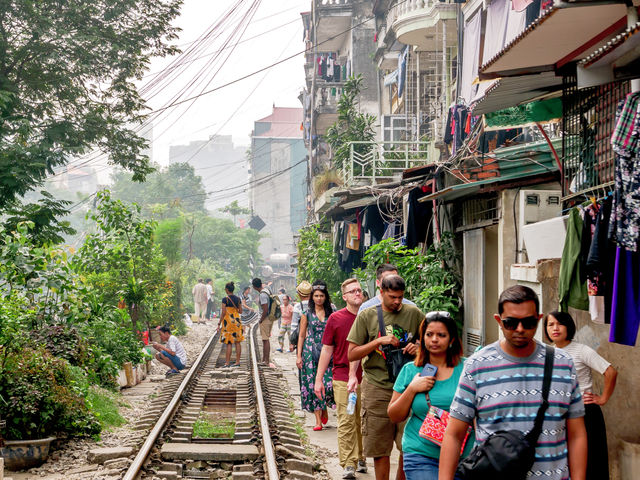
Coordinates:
(327, 438)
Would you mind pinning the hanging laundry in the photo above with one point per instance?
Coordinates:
(353, 236)
(418, 218)
(572, 281)
(600, 267)
(625, 310)
(625, 221)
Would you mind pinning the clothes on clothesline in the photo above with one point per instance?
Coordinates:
(625, 310)
(352, 237)
(330, 70)
(625, 141)
(418, 219)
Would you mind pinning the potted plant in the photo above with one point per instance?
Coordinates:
(40, 398)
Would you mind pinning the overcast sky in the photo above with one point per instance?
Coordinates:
(277, 29)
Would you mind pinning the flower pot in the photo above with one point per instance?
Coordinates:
(24, 454)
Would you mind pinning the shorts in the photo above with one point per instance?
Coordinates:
(265, 328)
(379, 433)
(174, 359)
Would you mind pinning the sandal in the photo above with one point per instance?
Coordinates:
(317, 428)
(325, 417)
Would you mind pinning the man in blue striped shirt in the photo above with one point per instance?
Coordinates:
(501, 389)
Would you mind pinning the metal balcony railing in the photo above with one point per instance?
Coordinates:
(331, 3)
(371, 163)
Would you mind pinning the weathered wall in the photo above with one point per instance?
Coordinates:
(622, 411)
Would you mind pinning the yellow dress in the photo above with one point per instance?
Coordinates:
(231, 328)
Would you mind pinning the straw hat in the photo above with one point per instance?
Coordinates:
(304, 289)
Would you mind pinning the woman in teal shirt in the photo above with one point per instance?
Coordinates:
(440, 345)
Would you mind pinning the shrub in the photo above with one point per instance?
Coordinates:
(41, 395)
(111, 336)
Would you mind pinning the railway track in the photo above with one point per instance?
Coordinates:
(262, 442)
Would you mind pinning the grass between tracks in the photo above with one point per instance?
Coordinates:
(299, 428)
(206, 427)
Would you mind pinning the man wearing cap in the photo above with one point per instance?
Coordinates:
(304, 292)
(173, 354)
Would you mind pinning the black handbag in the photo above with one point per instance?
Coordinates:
(394, 358)
(509, 454)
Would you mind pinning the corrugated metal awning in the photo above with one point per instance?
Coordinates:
(361, 202)
(513, 91)
(561, 34)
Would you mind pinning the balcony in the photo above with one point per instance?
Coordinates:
(372, 163)
(325, 105)
(419, 23)
(333, 21)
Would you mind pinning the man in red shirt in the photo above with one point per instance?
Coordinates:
(346, 378)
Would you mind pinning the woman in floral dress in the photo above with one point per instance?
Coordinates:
(311, 329)
(230, 325)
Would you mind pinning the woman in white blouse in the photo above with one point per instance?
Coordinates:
(560, 329)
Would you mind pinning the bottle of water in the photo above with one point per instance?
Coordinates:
(351, 404)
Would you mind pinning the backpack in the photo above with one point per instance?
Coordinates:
(274, 305)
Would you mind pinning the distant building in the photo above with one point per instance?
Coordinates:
(222, 166)
(278, 187)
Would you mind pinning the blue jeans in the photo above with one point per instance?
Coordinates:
(174, 359)
(420, 467)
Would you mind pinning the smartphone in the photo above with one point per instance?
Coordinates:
(429, 370)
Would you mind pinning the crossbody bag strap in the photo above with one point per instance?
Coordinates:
(533, 435)
(383, 330)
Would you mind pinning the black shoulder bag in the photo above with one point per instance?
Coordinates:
(509, 454)
(394, 358)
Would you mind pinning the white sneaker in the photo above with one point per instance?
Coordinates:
(362, 466)
(349, 472)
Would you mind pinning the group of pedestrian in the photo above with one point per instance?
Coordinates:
(440, 407)
(397, 376)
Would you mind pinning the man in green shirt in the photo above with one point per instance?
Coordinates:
(402, 323)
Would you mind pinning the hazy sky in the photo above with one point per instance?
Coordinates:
(277, 29)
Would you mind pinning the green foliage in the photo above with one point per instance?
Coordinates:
(67, 83)
(111, 336)
(105, 405)
(318, 261)
(45, 216)
(351, 126)
(431, 282)
(206, 427)
(169, 238)
(122, 258)
(166, 193)
(39, 279)
(41, 395)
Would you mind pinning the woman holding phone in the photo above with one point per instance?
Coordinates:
(431, 379)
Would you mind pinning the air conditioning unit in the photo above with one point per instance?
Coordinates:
(536, 206)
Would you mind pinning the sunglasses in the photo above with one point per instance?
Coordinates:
(434, 315)
(528, 323)
(318, 287)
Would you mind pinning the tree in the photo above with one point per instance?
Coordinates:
(121, 256)
(351, 126)
(165, 193)
(234, 209)
(318, 261)
(66, 84)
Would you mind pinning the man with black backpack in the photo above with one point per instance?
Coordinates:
(525, 401)
(269, 313)
(377, 348)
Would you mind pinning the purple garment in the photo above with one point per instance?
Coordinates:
(625, 310)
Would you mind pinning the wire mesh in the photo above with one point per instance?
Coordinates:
(588, 122)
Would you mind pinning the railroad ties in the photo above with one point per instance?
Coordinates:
(211, 422)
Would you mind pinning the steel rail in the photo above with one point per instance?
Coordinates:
(269, 454)
(143, 453)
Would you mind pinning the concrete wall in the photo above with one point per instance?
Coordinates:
(622, 411)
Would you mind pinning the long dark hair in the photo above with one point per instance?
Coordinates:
(454, 352)
(322, 286)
